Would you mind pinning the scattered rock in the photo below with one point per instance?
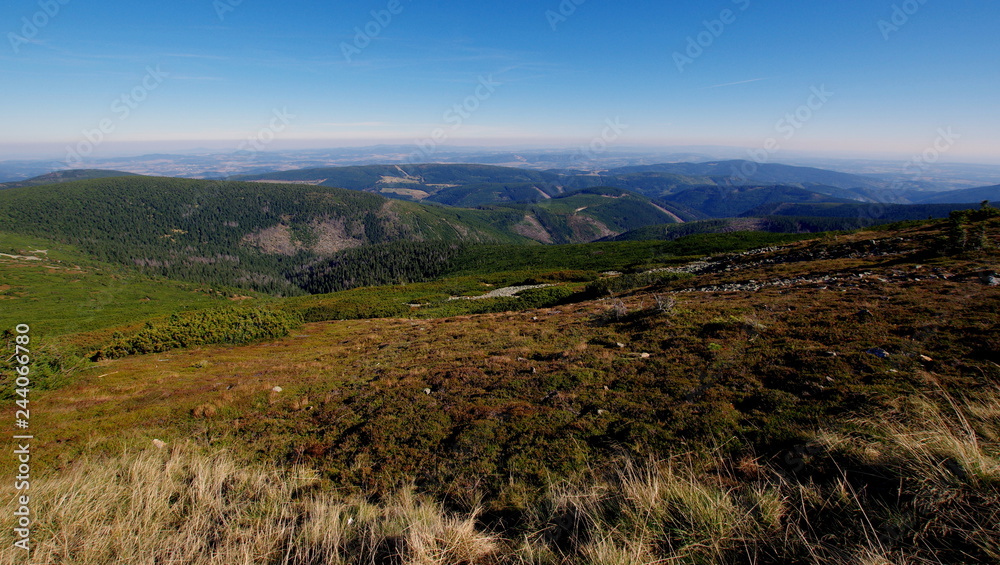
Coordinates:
(878, 352)
(926, 359)
(427, 391)
(277, 389)
(159, 444)
(644, 355)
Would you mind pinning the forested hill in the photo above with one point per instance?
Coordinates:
(244, 234)
(418, 182)
(66, 176)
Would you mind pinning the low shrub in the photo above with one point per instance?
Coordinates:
(227, 325)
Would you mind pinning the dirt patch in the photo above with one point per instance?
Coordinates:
(275, 240)
(332, 236)
(531, 228)
(668, 212)
(588, 229)
(411, 192)
(397, 180)
(24, 257)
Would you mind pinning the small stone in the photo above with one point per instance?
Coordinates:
(926, 359)
(277, 389)
(620, 345)
(878, 352)
(427, 391)
(644, 355)
(601, 412)
(159, 444)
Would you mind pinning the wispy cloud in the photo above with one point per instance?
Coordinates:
(188, 77)
(357, 124)
(738, 82)
(197, 56)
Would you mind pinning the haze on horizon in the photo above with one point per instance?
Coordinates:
(889, 77)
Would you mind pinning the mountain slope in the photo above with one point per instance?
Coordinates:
(229, 232)
(260, 235)
(592, 214)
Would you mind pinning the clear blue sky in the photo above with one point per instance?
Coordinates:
(560, 78)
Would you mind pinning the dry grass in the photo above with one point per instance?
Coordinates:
(181, 505)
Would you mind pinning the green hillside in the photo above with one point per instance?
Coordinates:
(232, 233)
(593, 213)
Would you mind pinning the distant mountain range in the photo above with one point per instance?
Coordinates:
(971, 195)
(715, 189)
(260, 234)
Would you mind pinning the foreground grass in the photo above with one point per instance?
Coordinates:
(183, 504)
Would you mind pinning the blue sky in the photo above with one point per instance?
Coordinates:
(211, 73)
